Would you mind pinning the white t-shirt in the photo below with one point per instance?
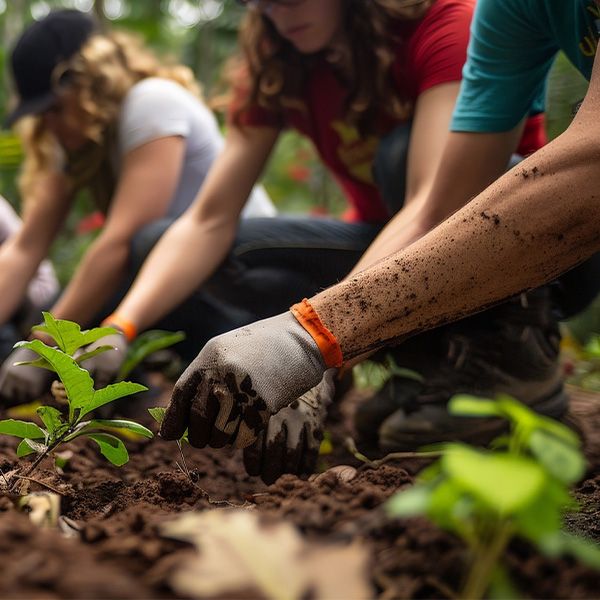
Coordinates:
(44, 287)
(155, 108)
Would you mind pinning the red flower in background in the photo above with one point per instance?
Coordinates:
(90, 223)
(299, 173)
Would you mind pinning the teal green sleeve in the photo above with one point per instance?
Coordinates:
(510, 53)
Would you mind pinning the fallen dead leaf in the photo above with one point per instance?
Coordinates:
(239, 553)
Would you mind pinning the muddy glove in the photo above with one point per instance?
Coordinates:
(105, 367)
(240, 379)
(20, 384)
(293, 436)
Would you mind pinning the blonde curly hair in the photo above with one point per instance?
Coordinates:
(100, 75)
(274, 71)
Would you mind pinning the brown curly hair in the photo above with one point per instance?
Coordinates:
(275, 71)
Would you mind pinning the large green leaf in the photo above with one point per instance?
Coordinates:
(68, 335)
(505, 483)
(145, 345)
(110, 393)
(77, 381)
(111, 447)
(21, 429)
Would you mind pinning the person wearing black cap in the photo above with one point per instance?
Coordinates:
(97, 110)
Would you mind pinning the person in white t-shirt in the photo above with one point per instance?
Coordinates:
(97, 110)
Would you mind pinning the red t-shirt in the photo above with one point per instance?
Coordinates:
(430, 52)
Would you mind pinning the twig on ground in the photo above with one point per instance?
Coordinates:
(46, 485)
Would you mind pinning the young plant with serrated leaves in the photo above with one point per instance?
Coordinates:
(81, 398)
(518, 488)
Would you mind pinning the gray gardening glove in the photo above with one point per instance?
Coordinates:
(21, 384)
(293, 436)
(240, 379)
(105, 367)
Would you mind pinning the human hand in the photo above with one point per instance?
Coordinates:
(105, 367)
(293, 436)
(23, 383)
(239, 379)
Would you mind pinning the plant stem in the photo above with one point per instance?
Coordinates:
(483, 567)
(185, 467)
(351, 447)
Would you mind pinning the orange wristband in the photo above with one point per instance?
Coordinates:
(127, 327)
(307, 316)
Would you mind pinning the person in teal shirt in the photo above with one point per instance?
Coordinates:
(513, 45)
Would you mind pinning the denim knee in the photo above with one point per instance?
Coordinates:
(389, 167)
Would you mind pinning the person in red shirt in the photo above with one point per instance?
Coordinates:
(373, 85)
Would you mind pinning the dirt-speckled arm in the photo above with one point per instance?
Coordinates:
(534, 223)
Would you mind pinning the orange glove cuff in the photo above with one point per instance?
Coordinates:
(307, 316)
(127, 327)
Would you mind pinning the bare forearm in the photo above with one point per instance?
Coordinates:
(95, 281)
(534, 223)
(16, 271)
(184, 258)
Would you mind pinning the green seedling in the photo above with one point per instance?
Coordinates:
(81, 398)
(373, 375)
(520, 488)
(145, 345)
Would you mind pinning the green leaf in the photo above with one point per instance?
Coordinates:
(411, 502)
(21, 429)
(560, 459)
(449, 506)
(111, 392)
(544, 516)
(504, 482)
(25, 448)
(465, 405)
(77, 381)
(111, 447)
(68, 335)
(158, 414)
(42, 363)
(145, 345)
(51, 418)
(100, 350)
(517, 412)
(116, 424)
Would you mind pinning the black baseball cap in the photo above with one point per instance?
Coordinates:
(41, 47)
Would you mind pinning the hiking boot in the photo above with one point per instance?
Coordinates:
(512, 348)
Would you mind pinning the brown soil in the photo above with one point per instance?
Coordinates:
(120, 554)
